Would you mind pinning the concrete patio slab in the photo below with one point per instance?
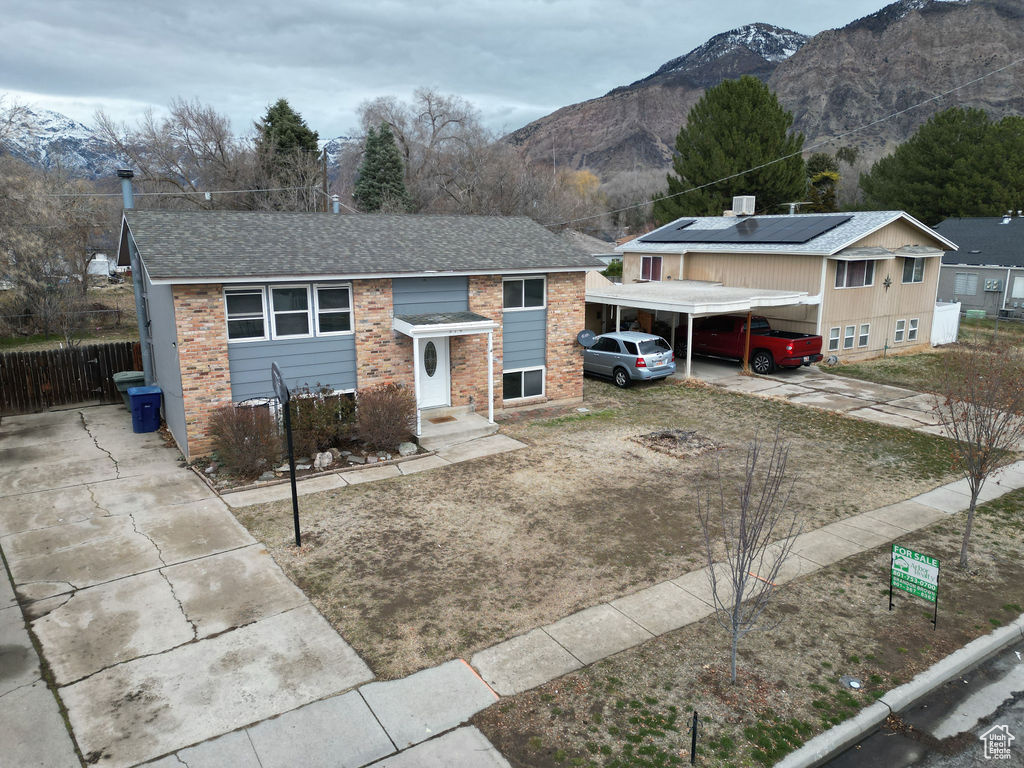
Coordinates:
(427, 703)
(915, 401)
(45, 508)
(149, 491)
(523, 662)
(908, 515)
(926, 418)
(787, 391)
(750, 384)
(824, 548)
(111, 623)
(232, 589)
(66, 420)
(194, 529)
(18, 434)
(945, 499)
(372, 474)
(7, 598)
(44, 476)
(34, 733)
(19, 664)
(461, 748)
(157, 704)
(662, 608)
(419, 465)
(340, 732)
(482, 446)
(57, 452)
(232, 750)
(594, 633)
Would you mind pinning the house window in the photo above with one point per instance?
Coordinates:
(912, 330)
(246, 314)
(290, 311)
(528, 382)
(848, 334)
(913, 270)
(650, 268)
(966, 284)
(333, 310)
(1018, 288)
(862, 340)
(833, 339)
(901, 326)
(523, 293)
(855, 274)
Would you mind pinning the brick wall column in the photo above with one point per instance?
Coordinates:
(383, 356)
(469, 353)
(203, 356)
(566, 302)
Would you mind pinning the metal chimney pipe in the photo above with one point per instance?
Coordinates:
(335, 204)
(126, 175)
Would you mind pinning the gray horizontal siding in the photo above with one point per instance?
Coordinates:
(524, 338)
(329, 361)
(423, 295)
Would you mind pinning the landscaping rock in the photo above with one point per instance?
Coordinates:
(356, 460)
(345, 453)
(304, 460)
(407, 449)
(336, 453)
(371, 459)
(324, 459)
(211, 469)
(299, 467)
(267, 476)
(282, 468)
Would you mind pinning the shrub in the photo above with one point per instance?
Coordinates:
(319, 420)
(385, 416)
(246, 439)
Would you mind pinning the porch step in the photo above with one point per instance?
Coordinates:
(460, 426)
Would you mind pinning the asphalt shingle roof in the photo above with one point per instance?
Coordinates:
(238, 244)
(985, 241)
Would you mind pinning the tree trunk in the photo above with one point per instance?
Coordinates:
(732, 658)
(967, 528)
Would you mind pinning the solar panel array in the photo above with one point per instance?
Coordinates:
(782, 230)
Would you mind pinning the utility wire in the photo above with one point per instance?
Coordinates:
(822, 143)
(173, 194)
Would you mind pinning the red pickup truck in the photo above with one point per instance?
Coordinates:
(725, 336)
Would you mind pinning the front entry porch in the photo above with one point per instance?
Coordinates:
(444, 427)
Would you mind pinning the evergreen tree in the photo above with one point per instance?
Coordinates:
(959, 163)
(737, 125)
(380, 186)
(283, 131)
(287, 156)
(822, 178)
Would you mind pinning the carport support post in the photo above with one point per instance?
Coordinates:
(416, 378)
(689, 341)
(490, 376)
(746, 344)
(618, 317)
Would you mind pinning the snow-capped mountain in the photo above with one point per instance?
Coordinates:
(52, 140)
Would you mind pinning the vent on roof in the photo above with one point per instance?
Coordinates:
(743, 205)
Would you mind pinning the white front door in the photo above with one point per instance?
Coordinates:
(435, 372)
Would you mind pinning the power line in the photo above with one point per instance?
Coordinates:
(173, 194)
(822, 143)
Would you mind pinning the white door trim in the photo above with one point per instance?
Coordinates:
(434, 390)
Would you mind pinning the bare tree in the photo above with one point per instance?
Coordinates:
(14, 118)
(757, 532)
(981, 405)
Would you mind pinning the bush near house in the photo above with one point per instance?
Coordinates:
(385, 416)
(246, 440)
(320, 420)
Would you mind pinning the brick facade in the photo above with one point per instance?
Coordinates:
(203, 356)
(469, 353)
(383, 356)
(566, 297)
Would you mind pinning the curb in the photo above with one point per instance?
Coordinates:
(828, 744)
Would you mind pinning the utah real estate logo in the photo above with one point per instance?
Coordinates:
(997, 742)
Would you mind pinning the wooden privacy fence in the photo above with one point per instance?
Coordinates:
(33, 381)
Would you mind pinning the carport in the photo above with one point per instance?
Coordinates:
(694, 298)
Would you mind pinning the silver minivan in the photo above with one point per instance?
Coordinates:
(626, 356)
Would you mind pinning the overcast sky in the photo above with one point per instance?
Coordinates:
(515, 60)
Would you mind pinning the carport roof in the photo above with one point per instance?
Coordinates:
(693, 297)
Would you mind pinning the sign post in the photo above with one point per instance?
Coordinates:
(915, 574)
(284, 397)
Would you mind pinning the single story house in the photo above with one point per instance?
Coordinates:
(477, 312)
(864, 280)
(988, 272)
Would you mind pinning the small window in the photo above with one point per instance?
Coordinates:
(848, 334)
(290, 311)
(523, 293)
(901, 328)
(245, 314)
(855, 274)
(606, 345)
(520, 384)
(650, 268)
(630, 347)
(912, 330)
(1018, 288)
(913, 270)
(333, 310)
(862, 339)
(966, 284)
(833, 339)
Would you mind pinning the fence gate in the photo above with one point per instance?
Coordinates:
(34, 381)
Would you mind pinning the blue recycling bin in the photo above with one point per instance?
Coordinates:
(145, 407)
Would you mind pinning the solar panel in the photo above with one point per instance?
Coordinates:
(792, 230)
(667, 234)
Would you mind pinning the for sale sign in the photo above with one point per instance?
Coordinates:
(915, 573)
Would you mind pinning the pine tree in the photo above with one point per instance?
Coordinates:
(287, 154)
(380, 186)
(822, 178)
(283, 131)
(737, 125)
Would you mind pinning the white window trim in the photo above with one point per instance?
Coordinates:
(846, 267)
(522, 279)
(865, 335)
(273, 314)
(900, 333)
(837, 339)
(263, 298)
(917, 261)
(543, 382)
(661, 271)
(852, 336)
(316, 309)
(912, 328)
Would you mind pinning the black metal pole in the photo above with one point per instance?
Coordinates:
(291, 470)
(935, 618)
(693, 739)
(890, 581)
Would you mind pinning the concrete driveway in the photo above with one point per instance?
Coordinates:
(163, 622)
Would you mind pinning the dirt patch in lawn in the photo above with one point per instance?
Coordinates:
(417, 570)
(634, 709)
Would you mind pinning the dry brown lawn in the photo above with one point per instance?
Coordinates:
(417, 570)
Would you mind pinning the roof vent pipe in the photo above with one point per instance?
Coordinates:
(335, 204)
(126, 175)
(1007, 217)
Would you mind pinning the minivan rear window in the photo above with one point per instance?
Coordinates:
(653, 346)
(630, 347)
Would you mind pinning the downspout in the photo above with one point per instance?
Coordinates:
(138, 284)
(1006, 287)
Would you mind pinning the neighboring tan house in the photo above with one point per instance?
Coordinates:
(865, 281)
(988, 272)
(476, 312)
